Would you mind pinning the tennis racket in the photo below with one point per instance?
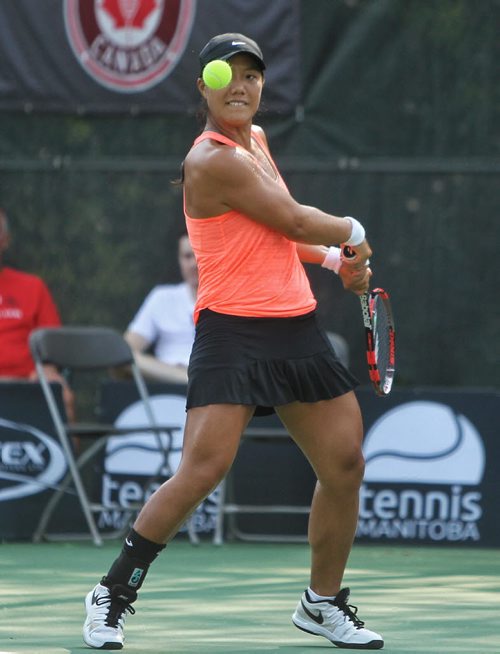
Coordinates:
(380, 336)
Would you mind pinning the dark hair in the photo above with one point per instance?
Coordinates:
(202, 114)
(4, 223)
(179, 181)
(201, 119)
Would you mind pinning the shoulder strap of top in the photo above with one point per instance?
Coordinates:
(215, 136)
(257, 137)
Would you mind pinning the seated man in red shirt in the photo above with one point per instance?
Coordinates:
(25, 303)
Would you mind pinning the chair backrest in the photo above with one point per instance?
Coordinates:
(80, 348)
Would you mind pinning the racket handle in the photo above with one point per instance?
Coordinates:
(349, 253)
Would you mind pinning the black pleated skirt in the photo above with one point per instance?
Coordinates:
(266, 362)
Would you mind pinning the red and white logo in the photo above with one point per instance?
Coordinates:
(128, 45)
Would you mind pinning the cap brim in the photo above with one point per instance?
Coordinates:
(225, 57)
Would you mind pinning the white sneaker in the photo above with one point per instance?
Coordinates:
(106, 608)
(337, 621)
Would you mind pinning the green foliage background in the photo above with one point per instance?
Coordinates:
(398, 125)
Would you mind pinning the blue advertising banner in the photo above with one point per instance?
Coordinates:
(432, 473)
(431, 468)
(134, 55)
(32, 462)
(131, 463)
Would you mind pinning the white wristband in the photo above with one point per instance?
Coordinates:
(357, 233)
(333, 260)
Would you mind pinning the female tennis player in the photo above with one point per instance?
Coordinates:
(258, 348)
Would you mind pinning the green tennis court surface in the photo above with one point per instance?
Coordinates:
(239, 598)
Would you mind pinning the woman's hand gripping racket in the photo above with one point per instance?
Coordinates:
(380, 335)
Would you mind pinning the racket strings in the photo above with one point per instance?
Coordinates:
(383, 342)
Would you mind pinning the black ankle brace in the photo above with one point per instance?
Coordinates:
(132, 565)
(138, 547)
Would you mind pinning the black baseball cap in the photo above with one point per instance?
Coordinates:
(225, 46)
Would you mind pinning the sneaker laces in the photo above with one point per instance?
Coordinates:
(349, 610)
(116, 613)
(120, 601)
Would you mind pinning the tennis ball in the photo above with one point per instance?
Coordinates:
(217, 74)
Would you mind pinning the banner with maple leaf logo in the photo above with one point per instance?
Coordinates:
(100, 56)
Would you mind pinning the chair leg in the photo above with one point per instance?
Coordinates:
(41, 528)
(191, 529)
(84, 502)
(219, 517)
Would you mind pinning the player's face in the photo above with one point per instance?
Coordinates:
(238, 102)
(187, 262)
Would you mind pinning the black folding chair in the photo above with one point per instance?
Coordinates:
(90, 349)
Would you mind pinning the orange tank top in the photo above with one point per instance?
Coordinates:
(246, 268)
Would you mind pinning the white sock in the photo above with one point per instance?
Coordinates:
(319, 598)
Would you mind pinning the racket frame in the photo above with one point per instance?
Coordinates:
(382, 386)
(368, 300)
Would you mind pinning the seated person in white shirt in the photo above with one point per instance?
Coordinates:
(165, 323)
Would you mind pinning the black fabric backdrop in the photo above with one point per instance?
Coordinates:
(40, 71)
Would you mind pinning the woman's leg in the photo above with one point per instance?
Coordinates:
(330, 435)
(211, 439)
